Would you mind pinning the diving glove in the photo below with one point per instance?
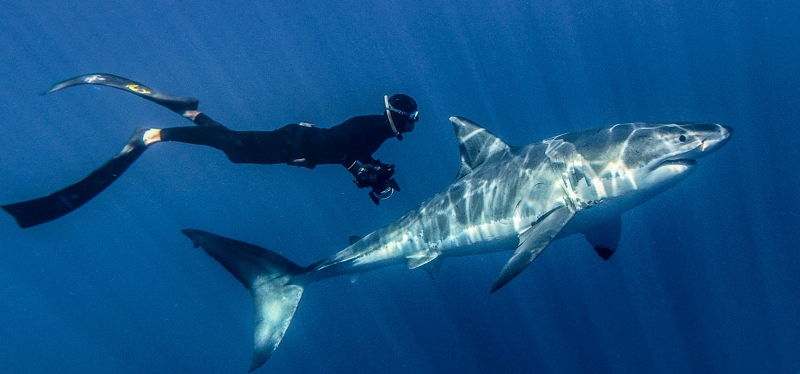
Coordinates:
(383, 191)
(376, 175)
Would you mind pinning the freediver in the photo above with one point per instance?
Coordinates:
(350, 144)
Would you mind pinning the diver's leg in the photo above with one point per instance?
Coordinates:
(44, 209)
(200, 119)
(252, 147)
(241, 147)
(255, 147)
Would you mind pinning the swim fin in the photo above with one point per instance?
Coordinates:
(44, 209)
(177, 104)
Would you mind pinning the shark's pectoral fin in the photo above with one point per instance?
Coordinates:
(352, 239)
(532, 242)
(604, 237)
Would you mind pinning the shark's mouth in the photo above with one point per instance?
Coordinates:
(680, 161)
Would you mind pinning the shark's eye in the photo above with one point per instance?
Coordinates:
(682, 138)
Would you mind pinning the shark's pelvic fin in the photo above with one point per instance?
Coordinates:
(421, 258)
(270, 279)
(604, 237)
(433, 267)
(532, 242)
(430, 261)
(476, 144)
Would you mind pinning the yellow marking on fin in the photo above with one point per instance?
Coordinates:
(137, 88)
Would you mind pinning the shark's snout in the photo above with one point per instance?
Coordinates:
(711, 137)
(714, 137)
(728, 130)
(699, 140)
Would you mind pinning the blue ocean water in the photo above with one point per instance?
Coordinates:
(705, 280)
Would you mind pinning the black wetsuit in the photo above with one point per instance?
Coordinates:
(352, 140)
(350, 144)
(355, 139)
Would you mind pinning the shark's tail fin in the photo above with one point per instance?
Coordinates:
(271, 281)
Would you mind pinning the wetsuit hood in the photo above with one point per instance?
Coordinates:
(401, 112)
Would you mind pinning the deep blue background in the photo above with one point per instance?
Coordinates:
(705, 280)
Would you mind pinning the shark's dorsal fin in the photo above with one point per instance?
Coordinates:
(476, 144)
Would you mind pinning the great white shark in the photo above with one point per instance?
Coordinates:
(518, 198)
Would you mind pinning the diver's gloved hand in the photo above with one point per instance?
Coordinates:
(383, 191)
(376, 175)
(371, 175)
